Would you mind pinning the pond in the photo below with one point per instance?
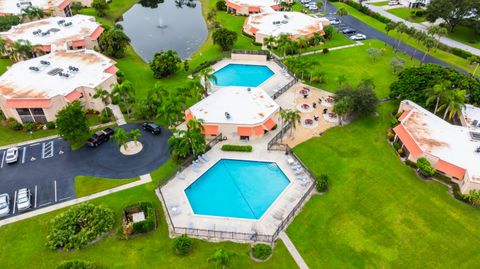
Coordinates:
(155, 25)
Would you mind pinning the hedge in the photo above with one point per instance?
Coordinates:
(77, 264)
(261, 251)
(241, 148)
(79, 226)
(150, 222)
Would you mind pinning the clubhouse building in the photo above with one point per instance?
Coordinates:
(452, 150)
(239, 113)
(59, 8)
(57, 33)
(35, 90)
(293, 24)
(246, 7)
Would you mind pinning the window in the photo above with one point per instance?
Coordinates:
(32, 115)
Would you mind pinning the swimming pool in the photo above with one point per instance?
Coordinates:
(237, 189)
(244, 75)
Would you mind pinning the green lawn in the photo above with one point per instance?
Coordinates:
(86, 185)
(379, 4)
(9, 136)
(440, 54)
(466, 35)
(356, 65)
(378, 213)
(405, 13)
(23, 243)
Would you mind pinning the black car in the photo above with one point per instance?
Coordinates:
(152, 128)
(349, 31)
(99, 137)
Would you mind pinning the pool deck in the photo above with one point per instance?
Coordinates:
(184, 218)
(275, 82)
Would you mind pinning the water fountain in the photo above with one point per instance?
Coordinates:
(161, 24)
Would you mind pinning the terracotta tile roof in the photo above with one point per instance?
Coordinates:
(97, 33)
(64, 4)
(28, 103)
(232, 5)
(404, 115)
(78, 43)
(408, 141)
(74, 95)
(45, 48)
(112, 69)
(450, 169)
(245, 131)
(210, 129)
(269, 124)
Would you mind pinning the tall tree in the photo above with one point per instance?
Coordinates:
(72, 123)
(165, 63)
(125, 92)
(437, 31)
(104, 96)
(101, 7)
(452, 12)
(7, 21)
(374, 53)
(121, 137)
(32, 12)
(401, 29)
(429, 43)
(419, 37)
(293, 117)
(302, 42)
(437, 94)
(189, 141)
(342, 108)
(475, 60)
(134, 135)
(22, 49)
(390, 26)
(114, 42)
(454, 102)
(342, 12)
(207, 76)
(269, 41)
(224, 38)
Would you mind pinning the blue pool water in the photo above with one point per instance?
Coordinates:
(242, 75)
(238, 189)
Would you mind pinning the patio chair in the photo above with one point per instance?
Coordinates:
(195, 169)
(204, 156)
(290, 160)
(175, 210)
(202, 159)
(296, 166)
(180, 176)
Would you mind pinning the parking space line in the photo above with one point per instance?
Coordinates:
(23, 156)
(47, 150)
(65, 198)
(35, 205)
(3, 158)
(14, 202)
(55, 185)
(44, 204)
(36, 144)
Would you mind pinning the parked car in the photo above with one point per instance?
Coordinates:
(334, 21)
(99, 137)
(4, 204)
(357, 37)
(24, 198)
(393, 3)
(12, 155)
(349, 31)
(152, 128)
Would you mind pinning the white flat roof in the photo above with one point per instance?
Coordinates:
(81, 26)
(470, 114)
(15, 6)
(448, 142)
(244, 106)
(256, 3)
(290, 23)
(19, 81)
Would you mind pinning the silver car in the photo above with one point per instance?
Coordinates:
(4, 204)
(24, 199)
(12, 155)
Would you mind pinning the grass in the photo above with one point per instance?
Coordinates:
(442, 55)
(405, 13)
(23, 243)
(379, 4)
(356, 65)
(466, 35)
(9, 136)
(86, 185)
(378, 213)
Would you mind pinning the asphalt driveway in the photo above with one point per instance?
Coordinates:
(48, 168)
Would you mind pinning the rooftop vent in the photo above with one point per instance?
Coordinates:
(55, 71)
(34, 68)
(45, 62)
(54, 30)
(227, 115)
(285, 16)
(37, 32)
(73, 69)
(65, 75)
(60, 22)
(478, 150)
(68, 24)
(475, 135)
(475, 123)
(45, 33)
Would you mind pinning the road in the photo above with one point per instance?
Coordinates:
(48, 168)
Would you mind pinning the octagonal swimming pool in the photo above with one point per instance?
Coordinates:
(237, 189)
(245, 75)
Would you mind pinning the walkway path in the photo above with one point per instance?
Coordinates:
(445, 40)
(293, 251)
(118, 114)
(356, 44)
(143, 179)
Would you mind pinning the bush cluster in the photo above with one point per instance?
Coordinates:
(425, 168)
(365, 10)
(182, 244)
(442, 177)
(241, 148)
(79, 226)
(461, 53)
(411, 164)
(77, 264)
(221, 5)
(261, 251)
(321, 183)
(50, 125)
(14, 124)
(150, 219)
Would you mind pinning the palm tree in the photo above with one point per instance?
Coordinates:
(319, 4)
(454, 102)
(420, 37)
(302, 42)
(135, 134)
(125, 92)
(437, 30)
(401, 29)
(207, 75)
(269, 41)
(390, 27)
(222, 257)
(22, 49)
(283, 113)
(437, 93)
(429, 42)
(194, 90)
(192, 140)
(3, 47)
(293, 118)
(104, 96)
(121, 137)
(342, 12)
(342, 108)
(474, 60)
(33, 12)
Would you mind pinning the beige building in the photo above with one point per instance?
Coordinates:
(36, 89)
(239, 113)
(59, 8)
(246, 7)
(274, 24)
(452, 150)
(57, 33)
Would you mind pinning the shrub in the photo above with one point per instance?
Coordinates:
(120, 77)
(400, 152)
(458, 194)
(325, 51)
(241, 148)
(29, 126)
(182, 244)
(390, 136)
(221, 6)
(79, 226)
(394, 122)
(261, 251)
(419, 13)
(77, 264)
(149, 224)
(411, 164)
(461, 53)
(104, 119)
(442, 177)
(321, 183)
(14, 124)
(396, 146)
(425, 168)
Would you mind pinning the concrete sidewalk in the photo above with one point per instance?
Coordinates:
(293, 251)
(143, 180)
(356, 44)
(118, 114)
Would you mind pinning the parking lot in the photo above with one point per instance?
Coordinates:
(48, 168)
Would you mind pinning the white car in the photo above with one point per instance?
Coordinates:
(4, 204)
(357, 37)
(334, 21)
(23, 199)
(306, 1)
(12, 155)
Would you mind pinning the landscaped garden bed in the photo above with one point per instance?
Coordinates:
(138, 219)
